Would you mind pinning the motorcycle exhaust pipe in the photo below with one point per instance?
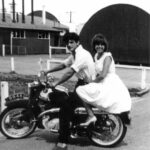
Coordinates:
(82, 110)
(79, 110)
(53, 110)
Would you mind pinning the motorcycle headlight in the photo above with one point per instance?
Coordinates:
(33, 83)
(45, 93)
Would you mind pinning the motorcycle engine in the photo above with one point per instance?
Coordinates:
(44, 94)
(51, 125)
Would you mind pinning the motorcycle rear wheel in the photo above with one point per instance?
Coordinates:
(12, 126)
(109, 136)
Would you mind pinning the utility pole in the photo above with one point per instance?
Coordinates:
(32, 12)
(13, 10)
(70, 16)
(23, 16)
(3, 10)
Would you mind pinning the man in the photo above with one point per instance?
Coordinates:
(80, 63)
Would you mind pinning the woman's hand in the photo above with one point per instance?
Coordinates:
(102, 74)
(98, 79)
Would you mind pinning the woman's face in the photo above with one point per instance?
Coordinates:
(99, 48)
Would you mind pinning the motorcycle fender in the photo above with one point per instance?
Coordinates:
(13, 103)
(125, 117)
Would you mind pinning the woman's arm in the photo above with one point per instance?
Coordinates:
(105, 70)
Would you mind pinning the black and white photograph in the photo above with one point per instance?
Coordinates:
(74, 75)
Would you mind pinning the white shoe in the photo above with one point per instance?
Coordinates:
(89, 121)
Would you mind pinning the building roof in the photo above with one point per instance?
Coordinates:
(48, 15)
(50, 25)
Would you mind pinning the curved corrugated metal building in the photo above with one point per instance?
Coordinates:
(49, 16)
(127, 29)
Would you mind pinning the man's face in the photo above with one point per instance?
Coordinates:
(72, 45)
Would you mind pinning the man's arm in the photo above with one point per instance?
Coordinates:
(62, 65)
(69, 73)
(56, 68)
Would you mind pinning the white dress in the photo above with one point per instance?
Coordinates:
(110, 94)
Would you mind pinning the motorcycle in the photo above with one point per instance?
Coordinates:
(24, 114)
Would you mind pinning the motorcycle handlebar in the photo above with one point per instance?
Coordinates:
(46, 79)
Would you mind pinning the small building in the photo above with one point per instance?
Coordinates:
(30, 36)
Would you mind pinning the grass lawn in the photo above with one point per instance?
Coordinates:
(18, 83)
(26, 70)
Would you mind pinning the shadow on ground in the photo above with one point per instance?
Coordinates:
(52, 138)
(81, 142)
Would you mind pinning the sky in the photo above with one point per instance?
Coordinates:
(81, 10)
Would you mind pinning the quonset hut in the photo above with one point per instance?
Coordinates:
(127, 29)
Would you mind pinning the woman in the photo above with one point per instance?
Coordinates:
(107, 92)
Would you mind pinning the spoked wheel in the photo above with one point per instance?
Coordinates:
(14, 125)
(107, 132)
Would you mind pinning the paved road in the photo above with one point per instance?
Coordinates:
(137, 137)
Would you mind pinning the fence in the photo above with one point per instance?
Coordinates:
(16, 50)
(143, 73)
(5, 89)
(21, 50)
(57, 50)
(4, 86)
(4, 94)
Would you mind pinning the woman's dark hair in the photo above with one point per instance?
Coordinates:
(71, 36)
(99, 39)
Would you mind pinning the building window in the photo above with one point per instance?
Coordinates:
(43, 35)
(19, 34)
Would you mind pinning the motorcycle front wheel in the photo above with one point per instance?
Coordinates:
(14, 125)
(108, 132)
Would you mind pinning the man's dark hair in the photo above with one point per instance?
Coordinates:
(71, 36)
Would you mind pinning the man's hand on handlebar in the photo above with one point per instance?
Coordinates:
(50, 81)
(43, 73)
